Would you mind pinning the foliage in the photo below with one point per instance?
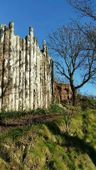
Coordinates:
(47, 146)
(56, 108)
(86, 102)
(17, 114)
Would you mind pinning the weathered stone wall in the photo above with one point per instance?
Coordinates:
(62, 92)
(25, 72)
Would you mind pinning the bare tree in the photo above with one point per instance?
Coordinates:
(85, 7)
(75, 56)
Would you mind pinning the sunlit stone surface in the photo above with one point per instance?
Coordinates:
(25, 72)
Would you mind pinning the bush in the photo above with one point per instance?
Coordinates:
(87, 102)
(56, 108)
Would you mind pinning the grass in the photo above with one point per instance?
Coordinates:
(55, 108)
(47, 146)
(17, 114)
(86, 102)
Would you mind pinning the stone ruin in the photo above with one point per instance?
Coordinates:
(25, 72)
(62, 93)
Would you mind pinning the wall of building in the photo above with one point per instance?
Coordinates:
(25, 71)
(62, 92)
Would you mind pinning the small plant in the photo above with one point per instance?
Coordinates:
(56, 108)
(40, 111)
(18, 132)
(70, 111)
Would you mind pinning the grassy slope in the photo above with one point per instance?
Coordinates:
(48, 147)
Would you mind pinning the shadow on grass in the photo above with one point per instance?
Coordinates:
(80, 144)
(74, 141)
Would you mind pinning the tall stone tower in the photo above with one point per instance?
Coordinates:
(25, 72)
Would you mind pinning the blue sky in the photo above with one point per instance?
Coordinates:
(43, 15)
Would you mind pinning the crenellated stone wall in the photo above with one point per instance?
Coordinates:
(25, 72)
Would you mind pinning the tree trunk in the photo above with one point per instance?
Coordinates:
(74, 95)
(74, 92)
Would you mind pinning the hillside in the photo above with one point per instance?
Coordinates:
(52, 145)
